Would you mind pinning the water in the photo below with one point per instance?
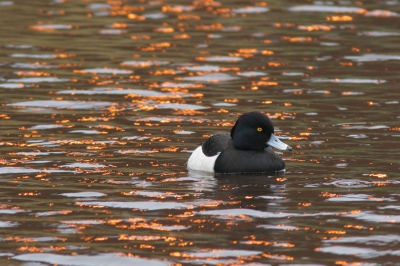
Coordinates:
(102, 103)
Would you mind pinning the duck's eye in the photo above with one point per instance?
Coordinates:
(259, 129)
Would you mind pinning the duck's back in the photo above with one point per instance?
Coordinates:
(232, 160)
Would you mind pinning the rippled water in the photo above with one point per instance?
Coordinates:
(102, 103)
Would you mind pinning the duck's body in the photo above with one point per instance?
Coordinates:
(245, 150)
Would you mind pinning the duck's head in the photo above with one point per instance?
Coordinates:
(255, 131)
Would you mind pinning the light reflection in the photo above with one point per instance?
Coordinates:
(316, 27)
(33, 249)
(339, 18)
(297, 39)
(29, 194)
(378, 175)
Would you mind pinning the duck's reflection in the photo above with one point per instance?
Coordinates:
(240, 187)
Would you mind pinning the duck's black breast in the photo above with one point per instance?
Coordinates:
(232, 160)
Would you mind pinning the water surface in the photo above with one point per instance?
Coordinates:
(103, 102)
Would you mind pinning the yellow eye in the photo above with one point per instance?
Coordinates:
(259, 129)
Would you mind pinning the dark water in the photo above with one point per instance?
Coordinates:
(103, 101)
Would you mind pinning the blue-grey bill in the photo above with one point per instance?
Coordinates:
(278, 144)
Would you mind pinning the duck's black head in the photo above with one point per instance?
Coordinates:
(255, 131)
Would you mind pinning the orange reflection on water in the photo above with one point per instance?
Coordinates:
(316, 27)
(4, 116)
(276, 64)
(339, 18)
(329, 195)
(263, 83)
(29, 194)
(278, 257)
(32, 74)
(354, 226)
(140, 37)
(335, 232)
(189, 17)
(304, 204)
(136, 17)
(164, 30)
(48, 28)
(347, 263)
(297, 39)
(378, 175)
(34, 249)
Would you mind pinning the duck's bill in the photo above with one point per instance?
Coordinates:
(278, 144)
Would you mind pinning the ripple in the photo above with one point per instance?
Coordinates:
(155, 16)
(12, 85)
(358, 197)
(50, 27)
(221, 253)
(119, 91)
(138, 205)
(215, 77)
(83, 194)
(38, 80)
(86, 132)
(292, 74)
(326, 8)
(106, 71)
(242, 213)
(45, 127)
(127, 152)
(180, 106)
(352, 251)
(251, 9)
(9, 211)
(379, 240)
(366, 127)
(19, 46)
(351, 183)
(351, 93)
(32, 66)
(223, 59)
(153, 194)
(6, 3)
(346, 80)
(251, 74)
(379, 33)
(112, 31)
(17, 170)
(178, 85)
(83, 165)
(203, 68)
(38, 56)
(98, 6)
(372, 217)
(224, 104)
(153, 119)
(63, 104)
(183, 132)
(372, 57)
(381, 13)
(89, 260)
(7, 224)
(357, 136)
(144, 63)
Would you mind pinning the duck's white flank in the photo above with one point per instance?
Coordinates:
(198, 161)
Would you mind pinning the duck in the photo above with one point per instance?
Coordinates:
(247, 149)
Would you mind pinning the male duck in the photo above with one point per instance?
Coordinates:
(243, 151)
